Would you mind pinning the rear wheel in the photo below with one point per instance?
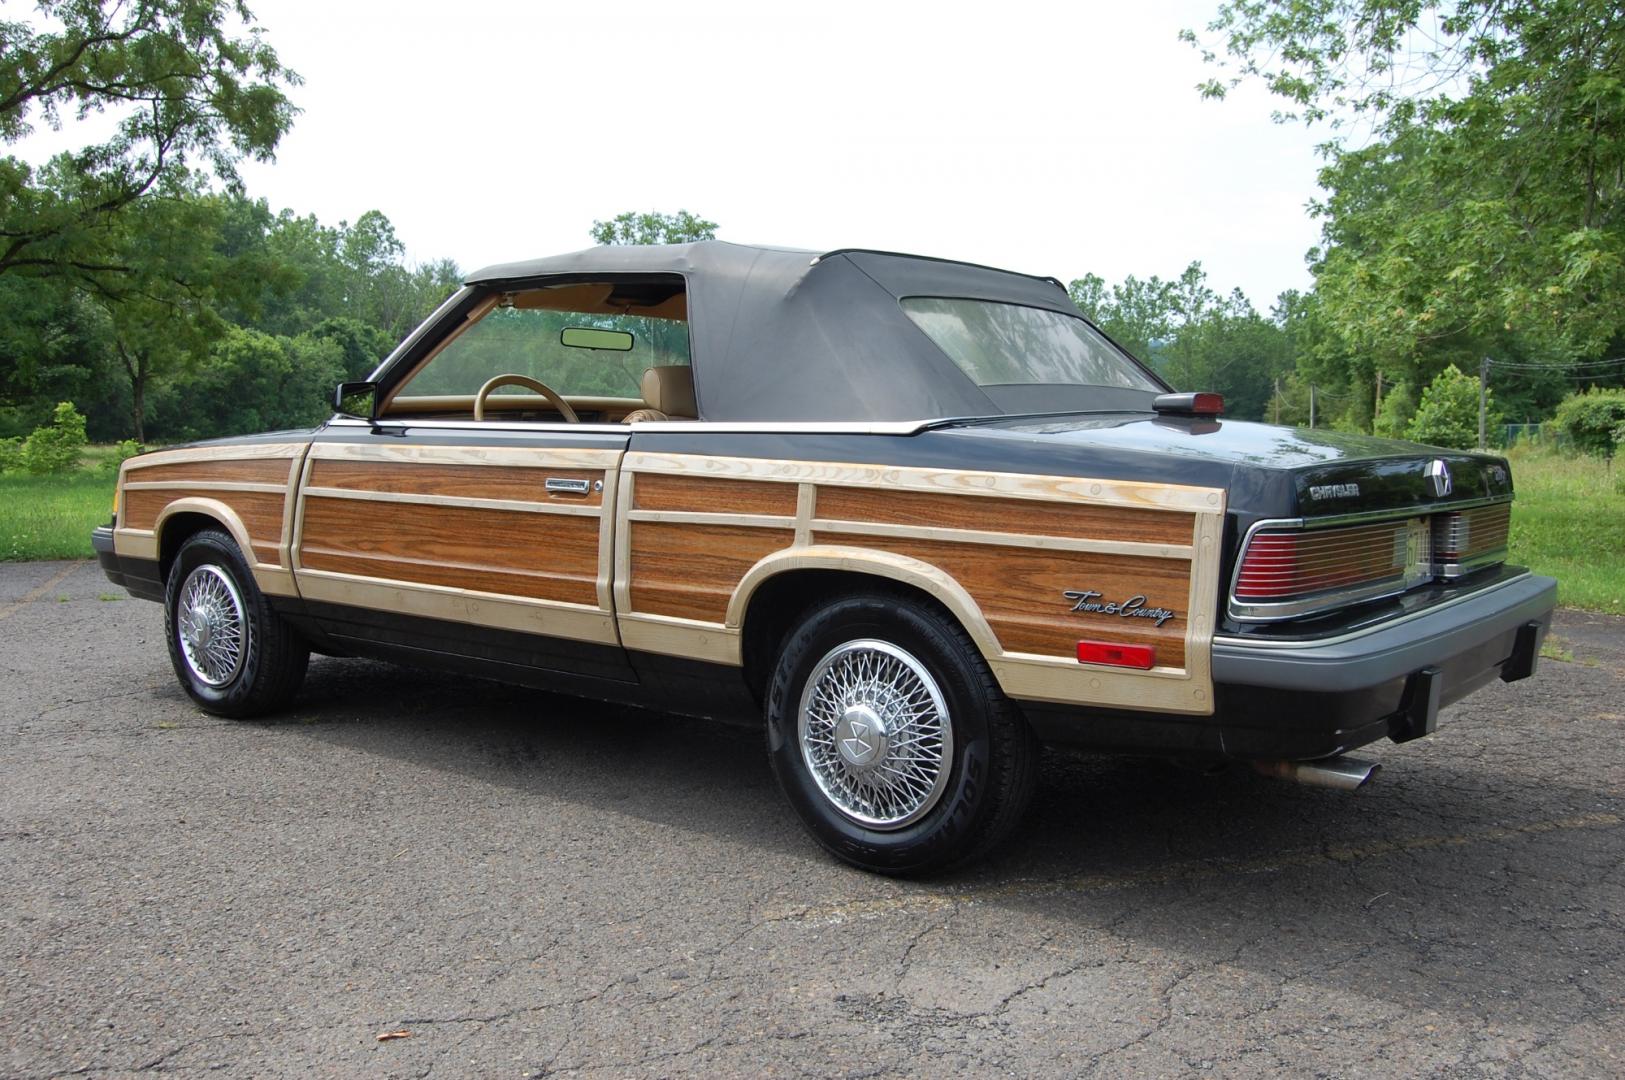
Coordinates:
(234, 656)
(891, 738)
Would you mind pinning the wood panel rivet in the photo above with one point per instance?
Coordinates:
(1094, 489)
(1094, 684)
(1213, 499)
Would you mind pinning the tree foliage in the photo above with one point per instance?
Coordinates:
(1191, 335)
(1482, 210)
(190, 85)
(653, 228)
(1448, 413)
(1594, 420)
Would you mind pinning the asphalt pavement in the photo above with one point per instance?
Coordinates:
(516, 884)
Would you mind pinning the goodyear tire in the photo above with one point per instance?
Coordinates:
(234, 656)
(891, 738)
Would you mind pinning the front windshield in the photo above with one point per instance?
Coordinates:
(1009, 345)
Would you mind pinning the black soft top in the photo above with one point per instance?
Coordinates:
(783, 334)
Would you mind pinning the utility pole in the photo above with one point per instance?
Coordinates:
(1483, 396)
(1376, 406)
(1276, 400)
(1311, 405)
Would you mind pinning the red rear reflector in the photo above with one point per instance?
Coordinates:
(1104, 652)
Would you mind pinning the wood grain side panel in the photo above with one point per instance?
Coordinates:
(1020, 593)
(992, 514)
(259, 471)
(516, 483)
(261, 514)
(540, 556)
(691, 571)
(661, 492)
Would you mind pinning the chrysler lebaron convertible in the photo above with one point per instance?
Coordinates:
(916, 516)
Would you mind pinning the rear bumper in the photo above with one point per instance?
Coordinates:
(1309, 699)
(1372, 657)
(140, 577)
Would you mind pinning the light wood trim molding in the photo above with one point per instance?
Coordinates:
(236, 452)
(135, 543)
(205, 485)
(1024, 540)
(689, 638)
(549, 617)
(625, 494)
(290, 507)
(607, 541)
(883, 564)
(941, 481)
(1066, 682)
(414, 499)
(536, 457)
(806, 508)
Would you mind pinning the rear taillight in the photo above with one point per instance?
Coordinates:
(1285, 566)
(1296, 569)
(1464, 540)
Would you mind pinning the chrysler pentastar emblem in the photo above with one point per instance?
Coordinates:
(860, 736)
(1088, 601)
(1437, 476)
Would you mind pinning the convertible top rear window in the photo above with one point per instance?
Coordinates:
(998, 344)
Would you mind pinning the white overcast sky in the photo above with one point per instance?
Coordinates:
(1050, 138)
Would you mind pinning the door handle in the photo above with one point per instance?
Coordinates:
(560, 486)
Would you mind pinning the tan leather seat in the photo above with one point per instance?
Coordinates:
(669, 392)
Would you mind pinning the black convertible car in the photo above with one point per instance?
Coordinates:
(913, 515)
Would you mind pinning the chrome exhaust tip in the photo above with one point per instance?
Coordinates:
(1338, 773)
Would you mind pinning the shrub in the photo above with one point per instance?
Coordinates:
(1448, 414)
(122, 452)
(1593, 420)
(11, 452)
(54, 448)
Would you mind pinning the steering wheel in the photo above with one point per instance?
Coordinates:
(528, 383)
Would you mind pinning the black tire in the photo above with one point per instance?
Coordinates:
(991, 756)
(264, 672)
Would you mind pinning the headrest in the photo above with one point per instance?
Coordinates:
(671, 390)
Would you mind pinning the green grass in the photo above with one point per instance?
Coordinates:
(1569, 522)
(50, 517)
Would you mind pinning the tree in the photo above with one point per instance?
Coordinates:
(192, 87)
(653, 228)
(1488, 205)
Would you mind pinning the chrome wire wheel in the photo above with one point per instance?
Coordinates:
(875, 734)
(211, 626)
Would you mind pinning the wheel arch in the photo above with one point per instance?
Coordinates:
(184, 518)
(777, 591)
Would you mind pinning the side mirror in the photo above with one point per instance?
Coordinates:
(357, 399)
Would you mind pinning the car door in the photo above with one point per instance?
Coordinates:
(427, 534)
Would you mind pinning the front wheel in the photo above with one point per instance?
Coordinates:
(891, 738)
(234, 656)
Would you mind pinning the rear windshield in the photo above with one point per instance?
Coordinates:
(1009, 345)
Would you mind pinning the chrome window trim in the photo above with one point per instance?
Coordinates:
(1372, 628)
(793, 427)
(1327, 601)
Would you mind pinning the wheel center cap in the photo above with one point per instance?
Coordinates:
(860, 737)
(202, 631)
